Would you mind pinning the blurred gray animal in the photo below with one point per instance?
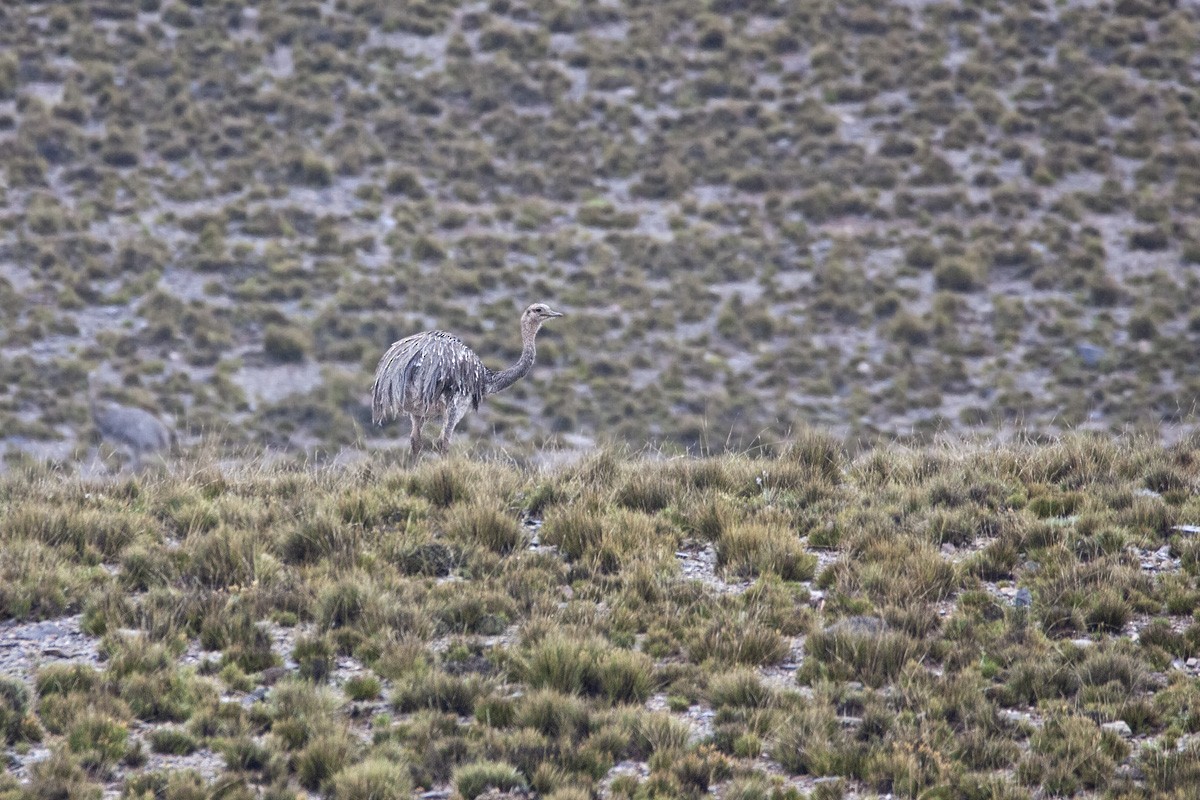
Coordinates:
(433, 374)
(134, 428)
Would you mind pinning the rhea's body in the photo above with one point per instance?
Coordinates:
(434, 375)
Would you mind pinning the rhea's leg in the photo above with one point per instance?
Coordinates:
(418, 444)
(455, 411)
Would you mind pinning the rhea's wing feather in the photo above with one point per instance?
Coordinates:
(423, 370)
(390, 378)
(450, 369)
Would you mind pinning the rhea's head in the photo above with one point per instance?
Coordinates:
(536, 314)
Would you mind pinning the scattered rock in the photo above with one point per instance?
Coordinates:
(256, 696)
(858, 625)
(1189, 741)
(474, 664)
(1131, 772)
(1024, 598)
(1090, 354)
(1015, 717)
(271, 675)
(1119, 727)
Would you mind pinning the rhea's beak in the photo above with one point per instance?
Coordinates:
(555, 314)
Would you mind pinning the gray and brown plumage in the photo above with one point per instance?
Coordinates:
(134, 428)
(433, 374)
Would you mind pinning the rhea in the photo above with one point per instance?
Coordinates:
(135, 428)
(434, 375)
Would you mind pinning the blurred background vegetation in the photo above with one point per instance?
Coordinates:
(884, 221)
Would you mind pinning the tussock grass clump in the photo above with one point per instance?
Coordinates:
(608, 542)
(647, 490)
(807, 741)
(61, 775)
(472, 780)
(737, 638)
(362, 687)
(576, 529)
(443, 484)
(659, 732)
(149, 678)
(324, 756)
(1170, 771)
(373, 778)
(862, 649)
(299, 711)
(314, 656)
(14, 708)
(818, 452)
(173, 741)
(1071, 753)
(748, 550)
(482, 524)
(419, 553)
(898, 570)
(65, 679)
(438, 690)
(36, 582)
(739, 688)
(462, 607)
(585, 666)
(98, 741)
(553, 714)
(322, 536)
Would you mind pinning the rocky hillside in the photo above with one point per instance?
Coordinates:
(974, 215)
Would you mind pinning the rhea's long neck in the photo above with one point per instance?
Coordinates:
(507, 377)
